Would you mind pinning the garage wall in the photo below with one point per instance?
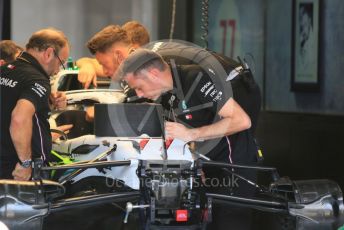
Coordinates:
(330, 98)
(79, 19)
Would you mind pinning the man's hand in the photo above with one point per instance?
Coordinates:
(90, 114)
(87, 75)
(21, 173)
(63, 128)
(88, 71)
(58, 100)
(179, 131)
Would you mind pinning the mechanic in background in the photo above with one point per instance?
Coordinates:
(89, 68)
(110, 46)
(9, 50)
(25, 107)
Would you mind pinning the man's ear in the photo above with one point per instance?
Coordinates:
(120, 56)
(154, 72)
(2, 62)
(48, 54)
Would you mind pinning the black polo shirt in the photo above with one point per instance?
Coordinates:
(243, 89)
(25, 79)
(196, 103)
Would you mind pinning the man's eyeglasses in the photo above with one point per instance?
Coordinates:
(61, 62)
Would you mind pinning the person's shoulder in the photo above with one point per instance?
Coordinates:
(28, 68)
(227, 63)
(223, 58)
(11, 69)
(190, 67)
(24, 72)
(162, 46)
(194, 74)
(191, 70)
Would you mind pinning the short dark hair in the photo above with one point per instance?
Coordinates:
(137, 33)
(105, 38)
(139, 60)
(45, 38)
(8, 50)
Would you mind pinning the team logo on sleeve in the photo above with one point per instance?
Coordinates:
(209, 89)
(205, 86)
(39, 90)
(218, 97)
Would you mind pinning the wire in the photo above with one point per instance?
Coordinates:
(173, 19)
(205, 22)
(60, 132)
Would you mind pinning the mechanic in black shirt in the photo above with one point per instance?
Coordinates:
(9, 50)
(25, 91)
(245, 90)
(199, 99)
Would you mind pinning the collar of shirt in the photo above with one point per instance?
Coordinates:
(28, 58)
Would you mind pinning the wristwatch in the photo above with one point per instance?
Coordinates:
(26, 163)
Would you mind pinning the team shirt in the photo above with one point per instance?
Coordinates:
(25, 79)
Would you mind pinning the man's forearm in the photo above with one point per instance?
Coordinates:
(21, 128)
(233, 119)
(224, 127)
(21, 134)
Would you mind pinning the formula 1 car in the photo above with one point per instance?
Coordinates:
(79, 100)
(159, 179)
(167, 197)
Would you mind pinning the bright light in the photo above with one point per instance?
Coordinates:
(3, 226)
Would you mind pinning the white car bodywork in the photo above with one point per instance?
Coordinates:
(127, 148)
(107, 96)
(133, 149)
(56, 80)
